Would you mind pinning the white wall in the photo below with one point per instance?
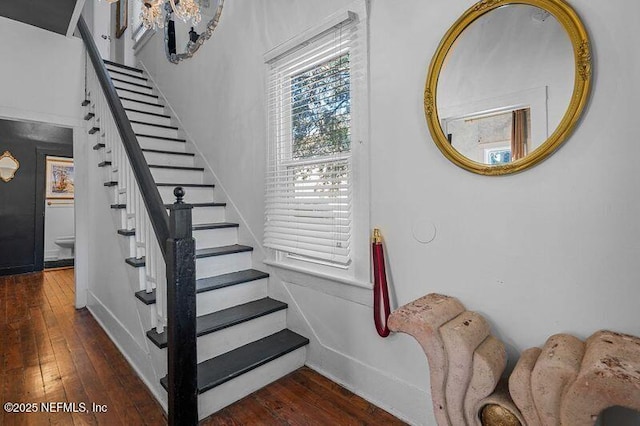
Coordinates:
(58, 222)
(41, 74)
(553, 249)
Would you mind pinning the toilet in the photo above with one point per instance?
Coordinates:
(67, 242)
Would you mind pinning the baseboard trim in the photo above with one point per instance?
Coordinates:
(103, 315)
(60, 263)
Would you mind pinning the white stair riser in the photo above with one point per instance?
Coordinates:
(148, 118)
(130, 86)
(161, 144)
(123, 70)
(215, 237)
(227, 297)
(137, 97)
(227, 393)
(154, 131)
(225, 264)
(169, 159)
(214, 344)
(208, 214)
(193, 195)
(129, 78)
(215, 300)
(156, 109)
(176, 175)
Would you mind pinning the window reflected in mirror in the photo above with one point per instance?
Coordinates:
(491, 138)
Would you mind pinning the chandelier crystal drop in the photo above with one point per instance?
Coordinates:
(186, 10)
(151, 14)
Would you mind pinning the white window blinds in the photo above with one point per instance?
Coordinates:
(309, 183)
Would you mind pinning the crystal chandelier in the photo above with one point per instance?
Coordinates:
(151, 15)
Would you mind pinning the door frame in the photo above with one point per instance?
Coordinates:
(42, 152)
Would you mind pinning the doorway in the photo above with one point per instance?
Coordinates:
(22, 198)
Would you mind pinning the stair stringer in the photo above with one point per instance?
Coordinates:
(128, 334)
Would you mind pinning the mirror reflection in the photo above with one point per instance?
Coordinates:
(506, 84)
(183, 38)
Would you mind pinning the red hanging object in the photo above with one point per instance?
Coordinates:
(380, 289)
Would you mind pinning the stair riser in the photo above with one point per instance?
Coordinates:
(136, 96)
(225, 264)
(177, 176)
(128, 78)
(123, 70)
(208, 214)
(154, 131)
(160, 144)
(231, 338)
(236, 389)
(148, 118)
(129, 86)
(193, 195)
(213, 301)
(227, 297)
(157, 109)
(169, 160)
(215, 237)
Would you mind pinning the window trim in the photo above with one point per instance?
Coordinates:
(359, 269)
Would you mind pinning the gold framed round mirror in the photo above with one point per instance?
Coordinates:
(508, 84)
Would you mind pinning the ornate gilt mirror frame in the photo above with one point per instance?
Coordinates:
(579, 38)
(192, 46)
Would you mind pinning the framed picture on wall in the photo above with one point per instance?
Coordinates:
(121, 17)
(59, 178)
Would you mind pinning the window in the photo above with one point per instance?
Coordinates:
(315, 191)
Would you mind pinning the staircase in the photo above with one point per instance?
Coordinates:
(242, 340)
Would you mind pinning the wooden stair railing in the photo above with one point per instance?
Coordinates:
(169, 258)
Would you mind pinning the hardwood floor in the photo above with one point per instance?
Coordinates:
(52, 353)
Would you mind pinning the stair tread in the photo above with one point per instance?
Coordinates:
(163, 126)
(98, 146)
(146, 298)
(89, 116)
(127, 232)
(198, 227)
(160, 151)
(228, 366)
(187, 185)
(222, 250)
(225, 318)
(163, 166)
(147, 112)
(111, 183)
(136, 92)
(160, 137)
(104, 163)
(94, 130)
(214, 225)
(129, 82)
(227, 280)
(204, 285)
(124, 98)
(128, 75)
(196, 205)
(115, 64)
(138, 262)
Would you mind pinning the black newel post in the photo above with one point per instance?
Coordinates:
(181, 315)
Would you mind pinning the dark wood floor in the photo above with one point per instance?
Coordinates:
(51, 352)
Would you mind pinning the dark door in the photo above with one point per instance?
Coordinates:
(22, 198)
